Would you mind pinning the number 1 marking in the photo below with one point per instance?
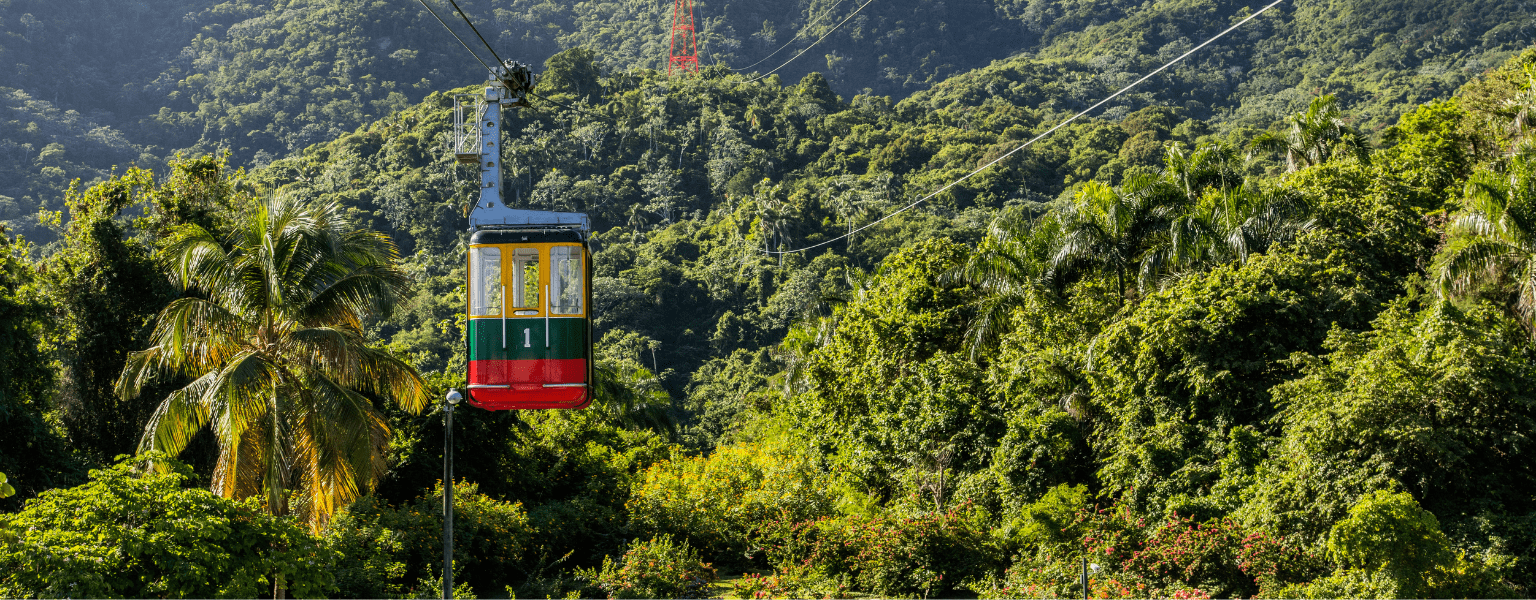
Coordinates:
(527, 340)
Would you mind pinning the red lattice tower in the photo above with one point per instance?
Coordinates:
(683, 56)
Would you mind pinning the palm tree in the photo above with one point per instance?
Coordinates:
(849, 205)
(631, 395)
(1011, 263)
(281, 370)
(1315, 136)
(1523, 106)
(1493, 240)
(1229, 224)
(856, 196)
(773, 217)
(1114, 229)
(1207, 166)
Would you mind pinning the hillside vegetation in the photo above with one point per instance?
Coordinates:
(263, 79)
(1221, 340)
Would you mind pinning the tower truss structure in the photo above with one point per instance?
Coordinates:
(683, 53)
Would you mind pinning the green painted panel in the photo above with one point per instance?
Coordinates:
(525, 339)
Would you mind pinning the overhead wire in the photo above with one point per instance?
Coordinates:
(813, 44)
(472, 27)
(796, 37)
(456, 36)
(1031, 140)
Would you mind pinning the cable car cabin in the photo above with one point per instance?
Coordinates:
(530, 338)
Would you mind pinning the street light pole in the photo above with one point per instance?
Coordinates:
(450, 402)
(1085, 576)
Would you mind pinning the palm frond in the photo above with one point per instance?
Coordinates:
(339, 442)
(178, 417)
(196, 335)
(632, 397)
(1471, 262)
(366, 290)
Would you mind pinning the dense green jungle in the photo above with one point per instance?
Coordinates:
(1263, 327)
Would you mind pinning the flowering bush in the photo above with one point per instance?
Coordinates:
(657, 568)
(792, 581)
(885, 555)
(1174, 558)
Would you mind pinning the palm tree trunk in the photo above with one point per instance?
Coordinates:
(1120, 276)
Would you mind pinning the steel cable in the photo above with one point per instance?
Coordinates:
(456, 36)
(813, 44)
(797, 36)
(1032, 140)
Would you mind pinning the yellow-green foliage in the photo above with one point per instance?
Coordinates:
(1389, 547)
(132, 534)
(892, 554)
(716, 502)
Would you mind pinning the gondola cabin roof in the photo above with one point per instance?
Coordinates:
(517, 236)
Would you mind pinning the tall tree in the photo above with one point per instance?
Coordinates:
(106, 289)
(273, 340)
(1315, 136)
(1493, 239)
(1206, 166)
(33, 455)
(1522, 121)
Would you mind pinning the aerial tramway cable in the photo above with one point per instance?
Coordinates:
(796, 37)
(456, 36)
(472, 27)
(813, 44)
(1032, 140)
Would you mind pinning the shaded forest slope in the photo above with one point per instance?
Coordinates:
(99, 84)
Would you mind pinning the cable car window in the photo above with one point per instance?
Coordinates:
(485, 283)
(525, 279)
(565, 280)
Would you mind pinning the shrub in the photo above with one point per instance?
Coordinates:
(715, 502)
(886, 555)
(1390, 547)
(389, 551)
(1173, 558)
(1388, 531)
(127, 534)
(791, 581)
(657, 568)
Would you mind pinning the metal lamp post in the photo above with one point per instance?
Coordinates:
(1084, 579)
(448, 405)
(1087, 567)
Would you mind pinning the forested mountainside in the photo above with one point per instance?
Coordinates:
(98, 84)
(1211, 352)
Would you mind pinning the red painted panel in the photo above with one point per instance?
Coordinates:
(565, 371)
(527, 379)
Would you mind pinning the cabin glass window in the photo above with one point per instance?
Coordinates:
(525, 278)
(485, 288)
(565, 280)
